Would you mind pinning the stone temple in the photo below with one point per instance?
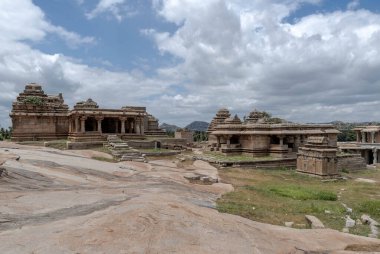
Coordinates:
(258, 135)
(38, 116)
(317, 157)
(367, 144)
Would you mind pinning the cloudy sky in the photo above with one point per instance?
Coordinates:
(302, 60)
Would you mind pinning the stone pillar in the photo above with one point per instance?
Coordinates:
(357, 137)
(99, 119)
(137, 125)
(363, 137)
(77, 127)
(374, 150)
(122, 120)
(281, 140)
(228, 141)
(372, 137)
(83, 124)
(142, 126)
(298, 141)
(70, 125)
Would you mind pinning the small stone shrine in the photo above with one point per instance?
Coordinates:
(317, 157)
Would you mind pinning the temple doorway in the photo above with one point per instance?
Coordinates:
(91, 124)
(234, 140)
(370, 157)
(111, 125)
(274, 140)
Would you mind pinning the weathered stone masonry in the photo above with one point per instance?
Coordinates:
(38, 116)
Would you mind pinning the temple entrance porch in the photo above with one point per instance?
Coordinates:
(87, 128)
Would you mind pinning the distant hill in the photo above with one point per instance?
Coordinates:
(169, 127)
(198, 126)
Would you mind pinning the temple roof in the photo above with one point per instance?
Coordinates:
(86, 104)
(233, 120)
(223, 113)
(256, 116)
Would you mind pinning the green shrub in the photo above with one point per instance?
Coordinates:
(33, 100)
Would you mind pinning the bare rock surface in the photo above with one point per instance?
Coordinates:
(64, 202)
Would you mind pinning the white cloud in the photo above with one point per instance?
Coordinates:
(22, 20)
(237, 54)
(243, 54)
(118, 8)
(21, 64)
(72, 39)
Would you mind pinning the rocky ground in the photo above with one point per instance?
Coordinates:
(65, 202)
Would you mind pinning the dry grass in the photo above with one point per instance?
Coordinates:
(233, 158)
(277, 196)
(99, 158)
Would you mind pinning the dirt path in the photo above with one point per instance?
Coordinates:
(63, 202)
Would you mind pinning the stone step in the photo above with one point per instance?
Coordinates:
(132, 154)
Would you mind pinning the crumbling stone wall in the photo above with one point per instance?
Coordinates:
(351, 162)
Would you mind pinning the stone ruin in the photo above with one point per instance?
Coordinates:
(38, 116)
(184, 134)
(317, 157)
(259, 135)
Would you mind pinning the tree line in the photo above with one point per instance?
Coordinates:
(199, 136)
(5, 133)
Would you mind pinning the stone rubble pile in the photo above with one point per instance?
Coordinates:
(199, 177)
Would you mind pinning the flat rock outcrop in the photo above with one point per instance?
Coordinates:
(63, 202)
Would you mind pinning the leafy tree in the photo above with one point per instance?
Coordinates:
(5, 133)
(170, 133)
(346, 135)
(275, 120)
(266, 114)
(200, 136)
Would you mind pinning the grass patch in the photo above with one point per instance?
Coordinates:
(371, 207)
(233, 158)
(57, 144)
(303, 193)
(276, 196)
(155, 150)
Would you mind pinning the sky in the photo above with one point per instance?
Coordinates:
(301, 60)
